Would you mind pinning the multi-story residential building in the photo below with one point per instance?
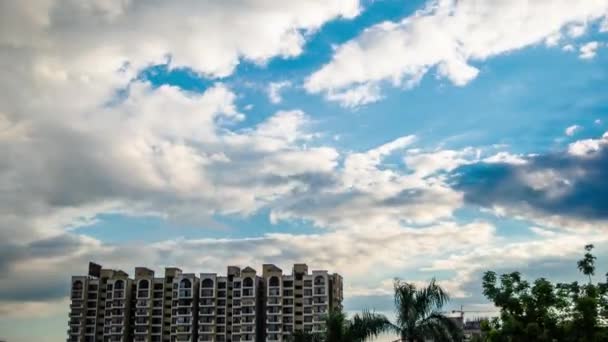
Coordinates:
(153, 301)
(117, 322)
(299, 301)
(247, 307)
(241, 306)
(184, 312)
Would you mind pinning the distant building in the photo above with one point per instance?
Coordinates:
(472, 328)
(107, 305)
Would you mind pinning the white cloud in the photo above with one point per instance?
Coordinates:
(447, 35)
(553, 40)
(571, 130)
(604, 25)
(506, 255)
(568, 48)
(505, 157)
(212, 36)
(597, 121)
(427, 163)
(589, 50)
(360, 95)
(33, 309)
(587, 147)
(274, 91)
(576, 30)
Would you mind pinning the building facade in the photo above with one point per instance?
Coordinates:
(241, 306)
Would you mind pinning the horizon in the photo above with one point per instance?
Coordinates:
(377, 139)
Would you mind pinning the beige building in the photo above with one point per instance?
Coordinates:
(153, 302)
(299, 301)
(241, 306)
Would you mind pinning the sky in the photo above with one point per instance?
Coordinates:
(377, 139)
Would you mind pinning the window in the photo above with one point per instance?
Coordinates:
(207, 284)
(273, 281)
(248, 282)
(185, 284)
(77, 285)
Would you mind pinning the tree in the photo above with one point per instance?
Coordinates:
(418, 314)
(526, 311)
(338, 328)
(547, 312)
(587, 264)
(361, 327)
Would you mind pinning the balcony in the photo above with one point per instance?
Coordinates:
(206, 302)
(206, 321)
(76, 305)
(142, 322)
(76, 313)
(273, 301)
(141, 330)
(142, 303)
(273, 337)
(207, 293)
(206, 329)
(206, 312)
(274, 328)
(185, 294)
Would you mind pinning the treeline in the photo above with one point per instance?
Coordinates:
(529, 311)
(544, 311)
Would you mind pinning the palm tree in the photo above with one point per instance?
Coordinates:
(338, 328)
(418, 314)
(361, 327)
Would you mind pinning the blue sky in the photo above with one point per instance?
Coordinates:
(377, 139)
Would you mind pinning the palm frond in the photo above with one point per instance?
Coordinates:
(440, 328)
(366, 325)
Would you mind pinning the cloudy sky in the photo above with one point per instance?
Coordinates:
(378, 139)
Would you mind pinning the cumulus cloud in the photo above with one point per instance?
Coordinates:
(446, 35)
(274, 91)
(568, 47)
(588, 50)
(571, 130)
(563, 189)
(81, 137)
(536, 257)
(212, 36)
(362, 192)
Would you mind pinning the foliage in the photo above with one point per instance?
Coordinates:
(418, 313)
(341, 329)
(418, 319)
(543, 311)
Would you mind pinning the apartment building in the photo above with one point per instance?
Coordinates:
(241, 306)
(153, 301)
(93, 303)
(299, 301)
(184, 312)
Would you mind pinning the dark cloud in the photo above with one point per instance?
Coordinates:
(556, 184)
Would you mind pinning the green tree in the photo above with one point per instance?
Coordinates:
(419, 314)
(526, 310)
(546, 312)
(338, 328)
(587, 264)
(361, 327)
